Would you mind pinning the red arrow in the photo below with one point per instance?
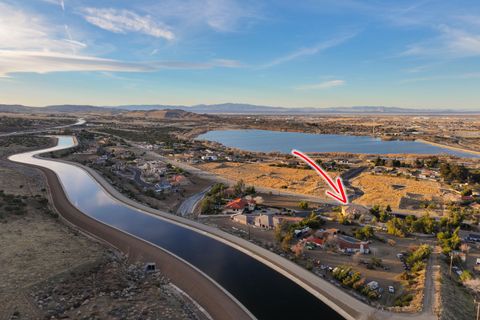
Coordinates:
(339, 194)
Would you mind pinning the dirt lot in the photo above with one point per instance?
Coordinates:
(263, 175)
(282, 201)
(384, 190)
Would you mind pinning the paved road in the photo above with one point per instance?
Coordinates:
(188, 206)
(78, 123)
(216, 178)
(137, 177)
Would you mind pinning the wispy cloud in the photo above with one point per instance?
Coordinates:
(308, 51)
(452, 43)
(217, 15)
(61, 3)
(28, 43)
(462, 76)
(22, 31)
(13, 61)
(322, 85)
(123, 21)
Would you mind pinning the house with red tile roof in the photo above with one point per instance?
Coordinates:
(239, 205)
(316, 241)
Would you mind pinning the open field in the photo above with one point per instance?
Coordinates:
(303, 181)
(387, 190)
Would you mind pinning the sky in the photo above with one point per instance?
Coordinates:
(308, 53)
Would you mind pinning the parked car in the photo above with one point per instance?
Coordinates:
(373, 285)
(391, 289)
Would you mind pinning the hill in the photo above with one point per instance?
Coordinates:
(232, 108)
(174, 114)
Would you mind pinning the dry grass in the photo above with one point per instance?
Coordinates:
(379, 189)
(263, 175)
(463, 307)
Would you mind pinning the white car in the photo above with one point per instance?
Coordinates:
(391, 289)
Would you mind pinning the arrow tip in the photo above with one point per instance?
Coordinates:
(340, 196)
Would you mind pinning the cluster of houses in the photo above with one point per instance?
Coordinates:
(201, 155)
(243, 211)
(331, 237)
(423, 173)
(154, 175)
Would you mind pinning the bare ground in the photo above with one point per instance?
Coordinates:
(51, 271)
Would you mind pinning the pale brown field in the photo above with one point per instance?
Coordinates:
(379, 189)
(263, 175)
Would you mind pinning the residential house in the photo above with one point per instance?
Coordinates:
(241, 218)
(319, 242)
(353, 211)
(239, 205)
(163, 186)
(349, 244)
(179, 180)
(264, 221)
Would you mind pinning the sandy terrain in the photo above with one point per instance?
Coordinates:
(384, 190)
(263, 175)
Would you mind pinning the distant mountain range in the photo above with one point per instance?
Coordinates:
(231, 108)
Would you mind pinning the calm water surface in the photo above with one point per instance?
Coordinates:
(265, 292)
(269, 141)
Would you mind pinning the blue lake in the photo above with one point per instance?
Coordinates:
(269, 141)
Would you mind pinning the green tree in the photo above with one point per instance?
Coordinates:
(207, 205)
(364, 233)
(449, 241)
(286, 241)
(466, 275)
(250, 190)
(303, 205)
(396, 227)
(239, 187)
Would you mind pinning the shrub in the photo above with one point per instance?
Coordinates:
(466, 276)
(404, 300)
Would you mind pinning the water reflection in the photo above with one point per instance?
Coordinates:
(269, 141)
(265, 292)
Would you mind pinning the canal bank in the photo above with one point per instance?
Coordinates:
(218, 303)
(263, 290)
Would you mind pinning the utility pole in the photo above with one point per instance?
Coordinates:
(451, 263)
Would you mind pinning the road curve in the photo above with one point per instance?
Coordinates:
(188, 205)
(217, 302)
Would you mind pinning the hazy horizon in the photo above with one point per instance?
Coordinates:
(244, 103)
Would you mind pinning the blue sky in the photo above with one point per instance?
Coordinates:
(305, 53)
